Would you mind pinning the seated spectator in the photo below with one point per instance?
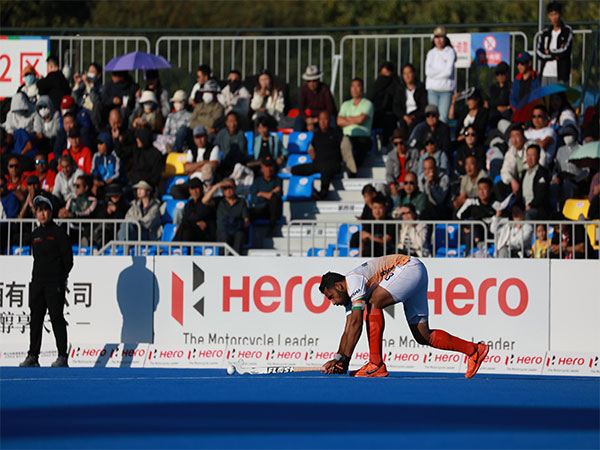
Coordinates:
(324, 152)
(265, 194)
(542, 133)
(176, 125)
(375, 239)
(29, 87)
(16, 179)
(120, 93)
(46, 175)
(368, 192)
(594, 198)
(19, 126)
(9, 205)
(436, 187)
(87, 91)
(54, 84)
(356, 120)
(123, 138)
(431, 127)
(513, 238)
(62, 141)
(409, 195)
(534, 186)
(153, 84)
(232, 143)
(64, 183)
(540, 247)
(233, 217)
(475, 115)
(562, 114)
(267, 100)
(410, 99)
(83, 204)
(384, 89)
(569, 241)
(234, 96)
(470, 147)
(106, 165)
(80, 153)
(83, 120)
(315, 97)
(203, 74)
(526, 80)
(469, 182)
(498, 96)
(208, 110)
(34, 189)
(146, 211)
(198, 220)
(46, 124)
(477, 208)
(568, 180)
(114, 207)
(267, 145)
(431, 151)
(413, 236)
(149, 113)
(399, 162)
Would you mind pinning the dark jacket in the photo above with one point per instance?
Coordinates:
(541, 189)
(322, 100)
(55, 86)
(420, 99)
(562, 54)
(127, 88)
(148, 162)
(516, 95)
(52, 254)
(480, 123)
(382, 97)
(441, 135)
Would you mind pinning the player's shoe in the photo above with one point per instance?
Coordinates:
(476, 359)
(370, 370)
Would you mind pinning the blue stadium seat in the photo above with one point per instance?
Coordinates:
(299, 188)
(16, 250)
(172, 181)
(453, 252)
(295, 159)
(298, 141)
(164, 250)
(316, 251)
(168, 233)
(82, 250)
(172, 206)
(346, 251)
(119, 251)
(345, 232)
(145, 250)
(250, 142)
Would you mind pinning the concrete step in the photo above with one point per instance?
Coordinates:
(310, 210)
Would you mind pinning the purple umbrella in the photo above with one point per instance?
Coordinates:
(137, 61)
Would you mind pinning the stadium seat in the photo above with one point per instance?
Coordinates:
(79, 251)
(299, 141)
(446, 241)
(145, 250)
(250, 142)
(346, 251)
(293, 160)
(119, 251)
(299, 188)
(574, 207)
(16, 250)
(171, 207)
(164, 250)
(168, 233)
(316, 251)
(345, 233)
(453, 252)
(172, 181)
(174, 165)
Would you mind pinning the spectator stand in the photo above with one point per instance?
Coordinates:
(143, 248)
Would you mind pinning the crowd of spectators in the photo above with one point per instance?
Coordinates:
(97, 148)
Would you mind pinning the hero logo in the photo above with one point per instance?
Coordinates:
(177, 293)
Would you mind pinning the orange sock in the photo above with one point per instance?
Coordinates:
(375, 326)
(445, 341)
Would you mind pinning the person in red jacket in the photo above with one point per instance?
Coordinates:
(80, 153)
(44, 173)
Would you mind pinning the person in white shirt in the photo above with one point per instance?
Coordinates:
(554, 47)
(235, 97)
(439, 72)
(542, 133)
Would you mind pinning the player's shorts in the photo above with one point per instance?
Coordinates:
(408, 284)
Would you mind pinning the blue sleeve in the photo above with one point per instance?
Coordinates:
(11, 206)
(514, 94)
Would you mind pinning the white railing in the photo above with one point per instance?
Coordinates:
(151, 248)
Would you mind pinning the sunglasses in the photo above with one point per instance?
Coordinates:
(537, 116)
(78, 185)
(40, 161)
(410, 182)
(430, 115)
(466, 133)
(227, 187)
(399, 142)
(13, 166)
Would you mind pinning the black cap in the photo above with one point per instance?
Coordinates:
(74, 132)
(32, 179)
(113, 189)
(502, 68)
(195, 183)
(429, 138)
(268, 161)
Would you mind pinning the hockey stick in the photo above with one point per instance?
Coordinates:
(268, 370)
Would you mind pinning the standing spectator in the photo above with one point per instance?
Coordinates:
(46, 124)
(469, 182)
(267, 99)
(177, 123)
(29, 88)
(434, 127)
(526, 80)
(435, 185)
(83, 205)
(106, 165)
(148, 162)
(413, 236)
(203, 74)
(534, 186)
(19, 126)
(54, 84)
(265, 194)
(399, 162)
(233, 217)
(324, 152)
(146, 211)
(267, 145)
(150, 113)
(80, 153)
(410, 99)
(513, 238)
(542, 133)
(439, 72)
(208, 111)
(431, 151)
(356, 120)
(198, 220)
(120, 93)
(470, 147)
(475, 116)
(235, 97)
(64, 184)
(384, 89)
(554, 48)
(315, 96)
(52, 262)
(232, 143)
(87, 91)
(376, 239)
(46, 175)
(410, 194)
(498, 96)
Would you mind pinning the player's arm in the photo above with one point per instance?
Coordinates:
(348, 341)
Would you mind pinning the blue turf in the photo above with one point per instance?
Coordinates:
(169, 408)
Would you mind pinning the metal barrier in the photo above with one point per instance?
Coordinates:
(86, 234)
(335, 238)
(79, 51)
(285, 56)
(146, 248)
(361, 56)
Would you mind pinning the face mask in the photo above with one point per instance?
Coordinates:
(148, 107)
(44, 112)
(29, 79)
(234, 85)
(178, 106)
(208, 97)
(91, 76)
(569, 140)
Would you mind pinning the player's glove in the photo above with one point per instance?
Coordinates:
(341, 366)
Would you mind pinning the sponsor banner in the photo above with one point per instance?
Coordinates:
(461, 42)
(108, 355)
(489, 49)
(503, 362)
(11, 355)
(426, 359)
(185, 356)
(563, 363)
(16, 53)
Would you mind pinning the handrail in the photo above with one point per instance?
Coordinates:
(143, 248)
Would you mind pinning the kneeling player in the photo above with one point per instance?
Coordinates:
(374, 285)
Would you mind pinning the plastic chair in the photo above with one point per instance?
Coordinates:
(298, 141)
(299, 188)
(250, 142)
(169, 230)
(174, 165)
(347, 251)
(172, 181)
(575, 207)
(171, 207)
(345, 233)
(316, 251)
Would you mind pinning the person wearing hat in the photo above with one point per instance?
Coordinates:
(526, 80)
(474, 115)
(19, 127)
(29, 86)
(554, 48)
(146, 211)
(178, 119)
(106, 165)
(497, 99)
(162, 95)
(81, 154)
(149, 112)
(265, 194)
(52, 262)
(431, 126)
(439, 72)
(198, 220)
(148, 162)
(54, 84)
(208, 111)
(315, 97)
(400, 161)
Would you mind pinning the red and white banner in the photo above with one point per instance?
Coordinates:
(16, 53)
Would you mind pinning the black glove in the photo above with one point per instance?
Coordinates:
(341, 366)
